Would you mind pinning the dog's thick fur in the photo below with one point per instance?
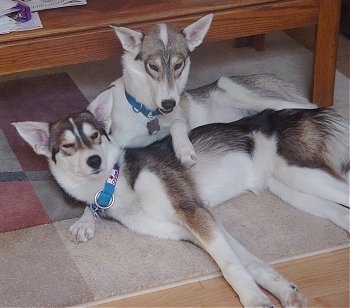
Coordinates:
(299, 155)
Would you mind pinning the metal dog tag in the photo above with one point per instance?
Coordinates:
(153, 126)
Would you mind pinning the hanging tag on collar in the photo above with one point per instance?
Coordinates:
(153, 126)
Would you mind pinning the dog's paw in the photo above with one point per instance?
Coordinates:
(186, 154)
(82, 230)
(294, 298)
(257, 300)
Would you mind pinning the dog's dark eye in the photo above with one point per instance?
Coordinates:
(177, 66)
(153, 67)
(94, 136)
(68, 145)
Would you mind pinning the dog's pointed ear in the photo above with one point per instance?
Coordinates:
(131, 40)
(36, 134)
(196, 32)
(101, 108)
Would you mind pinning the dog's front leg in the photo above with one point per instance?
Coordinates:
(84, 228)
(209, 234)
(183, 147)
(267, 277)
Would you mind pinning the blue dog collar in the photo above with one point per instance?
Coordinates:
(138, 107)
(104, 199)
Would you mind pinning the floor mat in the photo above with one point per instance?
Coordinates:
(40, 266)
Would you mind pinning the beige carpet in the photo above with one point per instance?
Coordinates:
(52, 271)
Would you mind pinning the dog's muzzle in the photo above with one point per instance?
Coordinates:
(168, 106)
(94, 162)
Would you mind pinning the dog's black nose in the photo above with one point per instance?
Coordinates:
(94, 161)
(168, 104)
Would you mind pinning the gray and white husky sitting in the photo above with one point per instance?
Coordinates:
(299, 155)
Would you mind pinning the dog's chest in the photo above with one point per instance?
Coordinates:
(135, 131)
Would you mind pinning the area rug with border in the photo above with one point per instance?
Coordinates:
(40, 266)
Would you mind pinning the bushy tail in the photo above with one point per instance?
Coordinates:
(270, 86)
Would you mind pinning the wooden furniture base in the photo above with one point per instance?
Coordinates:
(255, 41)
(81, 34)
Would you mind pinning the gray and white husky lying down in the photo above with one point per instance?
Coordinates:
(302, 156)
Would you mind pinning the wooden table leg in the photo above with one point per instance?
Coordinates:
(325, 53)
(256, 41)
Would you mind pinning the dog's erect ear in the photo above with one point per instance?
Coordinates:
(36, 134)
(196, 32)
(101, 108)
(131, 40)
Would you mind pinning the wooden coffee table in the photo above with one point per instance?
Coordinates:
(81, 34)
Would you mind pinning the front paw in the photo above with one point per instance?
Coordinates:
(82, 230)
(294, 298)
(186, 154)
(257, 300)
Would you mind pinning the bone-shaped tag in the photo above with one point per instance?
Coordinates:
(153, 126)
